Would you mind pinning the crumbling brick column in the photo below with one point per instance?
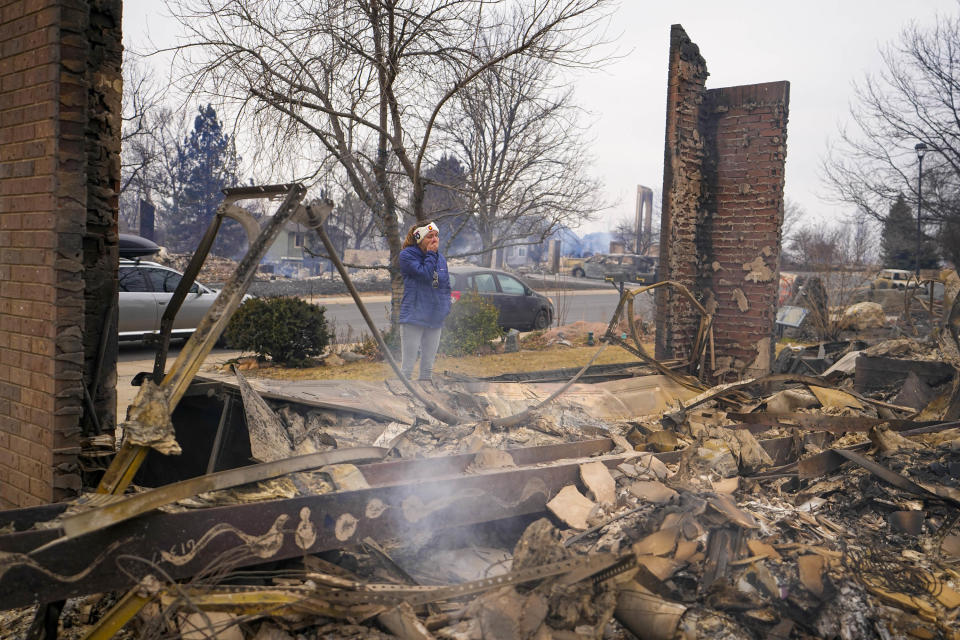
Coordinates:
(60, 86)
(722, 211)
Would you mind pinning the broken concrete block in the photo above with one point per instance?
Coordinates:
(659, 543)
(649, 465)
(572, 507)
(598, 480)
(653, 491)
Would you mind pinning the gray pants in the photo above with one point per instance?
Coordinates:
(414, 338)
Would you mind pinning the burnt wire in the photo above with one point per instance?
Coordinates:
(162, 627)
(872, 567)
(155, 628)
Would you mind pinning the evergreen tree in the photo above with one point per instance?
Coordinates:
(444, 203)
(898, 240)
(208, 165)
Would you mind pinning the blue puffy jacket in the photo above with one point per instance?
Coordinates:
(423, 304)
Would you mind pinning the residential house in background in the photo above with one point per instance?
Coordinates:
(286, 254)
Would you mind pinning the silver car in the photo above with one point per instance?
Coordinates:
(145, 289)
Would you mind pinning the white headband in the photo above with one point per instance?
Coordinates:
(421, 232)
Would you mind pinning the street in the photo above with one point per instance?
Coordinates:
(592, 305)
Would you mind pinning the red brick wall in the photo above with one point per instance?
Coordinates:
(29, 313)
(45, 78)
(722, 210)
(682, 206)
(747, 134)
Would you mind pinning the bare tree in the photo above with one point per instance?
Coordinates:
(793, 218)
(152, 149)
(819, 246)
(139, 153)
(366, 74)
(355, 218)
(863, 241)
(625, 232)
(915, 99)
(523, 151)
(835, 255)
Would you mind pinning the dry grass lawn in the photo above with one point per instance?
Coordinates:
(554, 357)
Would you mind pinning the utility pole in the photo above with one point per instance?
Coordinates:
(921, 150)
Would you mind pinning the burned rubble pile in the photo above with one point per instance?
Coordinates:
(216, 269)
(792, 506)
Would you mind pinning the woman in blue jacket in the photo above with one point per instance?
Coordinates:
(426, 298)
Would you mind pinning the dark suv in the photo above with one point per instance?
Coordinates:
(622, 266)
(520, 306)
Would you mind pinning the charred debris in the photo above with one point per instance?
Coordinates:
(820, 501)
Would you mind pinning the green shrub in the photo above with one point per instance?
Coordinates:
(288, 330)
(472, 323)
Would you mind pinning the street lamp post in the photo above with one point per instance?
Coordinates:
(921, 150)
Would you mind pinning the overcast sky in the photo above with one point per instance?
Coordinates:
(821, 47)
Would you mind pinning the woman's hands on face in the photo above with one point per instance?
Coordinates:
(431, 242)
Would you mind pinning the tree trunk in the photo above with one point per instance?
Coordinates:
(486, 240)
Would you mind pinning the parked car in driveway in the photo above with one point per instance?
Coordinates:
(145, 289)
(626, 266)
(520, 306)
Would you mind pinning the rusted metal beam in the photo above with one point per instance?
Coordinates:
(379, 474)
(183, 544)
(818, 422)
(413, 496)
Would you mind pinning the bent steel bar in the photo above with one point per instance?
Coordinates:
(700, 344)
(174, 385)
